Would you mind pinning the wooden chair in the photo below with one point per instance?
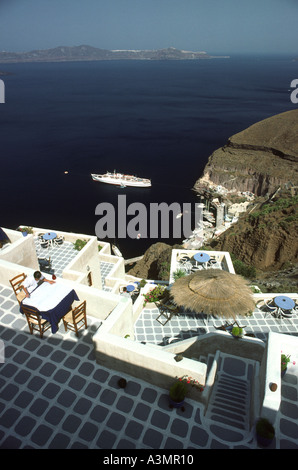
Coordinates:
(35, 322)
(166, 310)
(16, 283)
(76, 318)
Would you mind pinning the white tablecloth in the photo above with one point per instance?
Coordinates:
(53, 301)
(47, 296)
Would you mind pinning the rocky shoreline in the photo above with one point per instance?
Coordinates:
(251, 187)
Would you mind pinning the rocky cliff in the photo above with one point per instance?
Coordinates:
(258, 159)
(266, 238)
(155, 263)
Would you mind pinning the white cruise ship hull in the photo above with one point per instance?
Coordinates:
(119, 179)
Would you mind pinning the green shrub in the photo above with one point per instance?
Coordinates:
(155, 294)
(178, 391)
(79, 244)
(178, 274)
(237, 331)
(243, 269)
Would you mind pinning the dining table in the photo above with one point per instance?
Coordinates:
(51, 301)
(130, 288)
(201, 258)
(284, 304)
(49, 236)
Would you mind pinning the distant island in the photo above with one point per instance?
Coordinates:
(87, 53)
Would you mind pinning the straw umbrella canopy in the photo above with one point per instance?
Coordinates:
(214, 292)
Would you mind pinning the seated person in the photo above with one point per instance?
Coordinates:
(32, 282)
(124, 293)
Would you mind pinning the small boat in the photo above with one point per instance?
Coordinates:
(122, 180)
(116, 251)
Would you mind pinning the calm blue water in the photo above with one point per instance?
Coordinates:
(160, 120)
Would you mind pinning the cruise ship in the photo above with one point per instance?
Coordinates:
(122, 180)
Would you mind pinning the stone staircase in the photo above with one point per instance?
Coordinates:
(229, 402)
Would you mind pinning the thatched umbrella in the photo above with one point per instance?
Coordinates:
(214, 292)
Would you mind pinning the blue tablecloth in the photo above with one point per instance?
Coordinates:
(49, 236)
(3, 236)
(52, 302)
(130, 288)
(284, 302)
(54, 316)
(201, 257)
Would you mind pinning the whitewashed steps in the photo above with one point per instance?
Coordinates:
(229, 403)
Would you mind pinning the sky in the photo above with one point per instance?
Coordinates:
(215, 26)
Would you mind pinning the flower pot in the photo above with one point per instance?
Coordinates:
(283, 372)
(237, 332)
(265, 432)
(176, 404)
(24, 234)
(177, 394)
(149, 305)
(122, 383)
(264, 441)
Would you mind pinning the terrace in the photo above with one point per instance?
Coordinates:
(63, 392)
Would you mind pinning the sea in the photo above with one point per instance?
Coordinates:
(155, 119)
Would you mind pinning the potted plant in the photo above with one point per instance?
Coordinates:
(178, 274)
(79, 244)
(122, 383)
(179, 390)
(154, 295)
(177, 394)
(285, 359)
(237, 332)
(25, 230)
(265, 432)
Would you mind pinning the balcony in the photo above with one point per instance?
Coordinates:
(54, 394)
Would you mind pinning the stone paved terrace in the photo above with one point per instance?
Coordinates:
(186, 325)
(62, 255)
(54, 395)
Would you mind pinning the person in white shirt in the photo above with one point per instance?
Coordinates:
(32, 282)
(125, 293)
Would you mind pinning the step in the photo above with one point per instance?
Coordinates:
(229, 403)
